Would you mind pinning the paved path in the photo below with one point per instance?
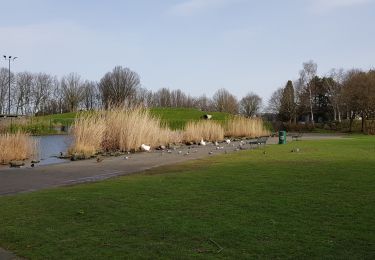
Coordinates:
(6, 255)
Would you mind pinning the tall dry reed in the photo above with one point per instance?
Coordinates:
(119, 129)
(206, 130)
(88, 132)
(17, 146)
(239, 126)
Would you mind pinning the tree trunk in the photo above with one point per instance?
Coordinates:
(311, 108)
(334, 113)
(363, 123)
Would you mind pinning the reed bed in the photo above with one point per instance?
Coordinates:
(16, 146)
(245, 127)
(119, 130)
(88, 132)
(206, 130)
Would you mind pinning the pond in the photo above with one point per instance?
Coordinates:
(51, 146)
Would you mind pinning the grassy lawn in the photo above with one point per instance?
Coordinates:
(317, 203)
(176, 118)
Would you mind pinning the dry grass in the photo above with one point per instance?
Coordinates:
(245, 127)
(119, 129)
(206, 130)
(18, 146)
(88, 132)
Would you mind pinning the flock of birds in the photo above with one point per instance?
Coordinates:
(191, 149)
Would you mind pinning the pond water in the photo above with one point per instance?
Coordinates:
(51, 146)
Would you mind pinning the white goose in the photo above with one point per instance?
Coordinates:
(145, 148)
(202, 142)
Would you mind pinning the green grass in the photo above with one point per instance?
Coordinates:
(317, 203)
(175, 118)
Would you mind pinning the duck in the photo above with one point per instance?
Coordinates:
(227, 141)
(145, 147)
(202, 142)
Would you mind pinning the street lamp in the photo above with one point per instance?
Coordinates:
(9, 58)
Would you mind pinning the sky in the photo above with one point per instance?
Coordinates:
(198, 46)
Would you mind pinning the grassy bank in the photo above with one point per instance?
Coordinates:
(317, 203)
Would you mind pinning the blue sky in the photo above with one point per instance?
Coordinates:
(198, 46)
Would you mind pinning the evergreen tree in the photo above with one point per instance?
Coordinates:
(288, 107)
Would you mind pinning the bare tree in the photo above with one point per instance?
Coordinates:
(334, 87)
(203, 103)
(118, 88)
(23, 91)
(250, 104)
(3, 89)
(89, 94)
(41, 91)
(225, 101)
(307, 75)
(72, 91)
(274, 103)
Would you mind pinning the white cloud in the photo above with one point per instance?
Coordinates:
(191, 7)
(322, 6)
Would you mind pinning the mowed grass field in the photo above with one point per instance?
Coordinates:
(267, 203)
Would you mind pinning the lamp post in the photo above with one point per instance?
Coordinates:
(9, 58)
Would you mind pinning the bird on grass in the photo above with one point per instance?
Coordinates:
(210, 152)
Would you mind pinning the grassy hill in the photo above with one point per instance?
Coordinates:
(175, 118)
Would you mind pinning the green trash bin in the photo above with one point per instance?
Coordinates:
(282, 137)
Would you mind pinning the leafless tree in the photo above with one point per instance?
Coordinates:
(334, 87)
(250, 105)
(274, 103)
(306, 78)
(224, 101)
(41, 91)
(118, 88)
(72, 91)
(23, 92)
(3, 89)
(203, 103)
(90, 94)
(143, 97)
(162, 98)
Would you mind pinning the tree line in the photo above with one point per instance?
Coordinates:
(338, 95)
(41, 93)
